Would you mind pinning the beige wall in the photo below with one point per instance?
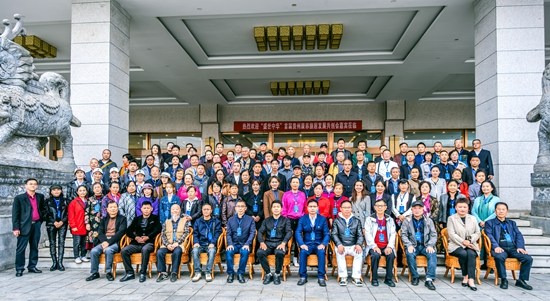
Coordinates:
(420, 115)
(431, 115)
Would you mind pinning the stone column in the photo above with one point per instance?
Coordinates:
(210, 125)
(393, 127)
(509, 60)
(100, 65)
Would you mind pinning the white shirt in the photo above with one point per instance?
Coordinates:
(384, 168)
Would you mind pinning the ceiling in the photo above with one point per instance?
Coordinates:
(197, 52)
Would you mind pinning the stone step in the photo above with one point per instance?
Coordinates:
(541, 261)
(522, 223)
(535, 250)
(68, 242)
(537, 240)
(513, 214)
(529, 231)
(45, 253)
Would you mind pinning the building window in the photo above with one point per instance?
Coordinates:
(298, 140)
(249, 140)
(447, 138)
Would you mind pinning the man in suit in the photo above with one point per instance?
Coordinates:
(313, 236)
(341, 144)
(241, 230)
(111, 229)
(507, 242)
(143, 232)
(485, 160)
(26, 222)
(106, 164)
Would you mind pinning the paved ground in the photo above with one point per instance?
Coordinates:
(70, 285)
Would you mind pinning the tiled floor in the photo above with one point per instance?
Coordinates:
(71, 285)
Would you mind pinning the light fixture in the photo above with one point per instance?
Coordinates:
(36, 46)
(297, 88)
(312, 34)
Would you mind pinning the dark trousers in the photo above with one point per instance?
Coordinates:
(295, 247)
(467, 260)
(56, 237)
(79, 246)
(511, 252)
(375, 259)
(32, 239)
(279, 258)
(145, 249)
(176, 259)
(321, 256)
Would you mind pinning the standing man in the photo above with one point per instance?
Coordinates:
(485, 160)
(94, 163)
(419, 158)
(111, 229)
(445, 166)
(419, 238)
(26, 222)
(106, 164)
(324, 150)
(306, 149)
(245, 160)
(277, 232)
(401, 158)
(260, 156)
(347, 178)
(241, 230)
(340, 149)
(347, 234)
(362, 147)
(507, 242)
(463, 154)
(438, 147)
(313, 236)
(384, 167)
(167, 156)
(219, 151)
(143, 231)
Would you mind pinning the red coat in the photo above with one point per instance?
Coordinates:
(77, 213)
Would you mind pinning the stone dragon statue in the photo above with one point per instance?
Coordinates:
(542, 113)
(32, 106)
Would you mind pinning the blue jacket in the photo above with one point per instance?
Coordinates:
(201, 229)
(493, 228)
(303, 232)
(165, 205)
(247, 233)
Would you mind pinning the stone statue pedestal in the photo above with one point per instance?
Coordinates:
(540, 205)
(12, 183)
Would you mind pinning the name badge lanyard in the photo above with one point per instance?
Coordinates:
(506, 234)
(275, 194)
(381, 228)
(57, 207)
(307, 191)
(295, 197)
(217, 209)
(401, 203)
(274, 230)
(372, 180)
(395, 187)
(201, 189)
(452, 209)
(360, 173)
(312, 229)
(430, 168)
(255, 206)
(239, 229)
(335, 209)
(189, 206)
(387, 164)
(409, 167)
(347, 231)
(447, 174)
(175, 228)
(417, 225)
(208, 231)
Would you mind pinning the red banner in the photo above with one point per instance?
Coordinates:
(304, 126)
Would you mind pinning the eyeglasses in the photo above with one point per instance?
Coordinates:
(379, 206)
(240, 206)
(345, 207)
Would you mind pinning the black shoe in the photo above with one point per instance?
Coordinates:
(110, 277)
(162, 277)
(521, 283)
(142, 277)
(473, 288)
(276, 279)
(322, 282)
(53, 267)
(483, 267)
(464, 284)
(430, 285)
(389, 282)
(19, 273)
(504, 283)
(241, 278)
(374, 282)
(302, 281)
(173, 277)
(128, 277)
(230, 278)
(94, 276)
(34, 270)
(414, 281)
(60, 266)
(268, 279)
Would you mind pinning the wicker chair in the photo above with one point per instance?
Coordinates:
(185, 256)
(421, 260)
(204, 256)
(136, 257)
(251, 256)
(117, 258)
(313, 261)
(382, 263)
(451, 262)
(511, 264)
(349, 261)
(286, 261)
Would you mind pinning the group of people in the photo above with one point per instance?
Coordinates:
(266, 199)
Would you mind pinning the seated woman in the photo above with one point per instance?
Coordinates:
(463, 235)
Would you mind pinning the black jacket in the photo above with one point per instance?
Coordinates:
(339, 226)
(196, 209)
(283, 231)
(249, 199)
(49, 211)
(282, 182)
(387, 198)
(369, 183)
(152, 230)
(71, 188)
(404, 171)
(348, 181)
(120, 230)
(347, 154)
(21, 214)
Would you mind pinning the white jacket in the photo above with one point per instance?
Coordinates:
(371, 227)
